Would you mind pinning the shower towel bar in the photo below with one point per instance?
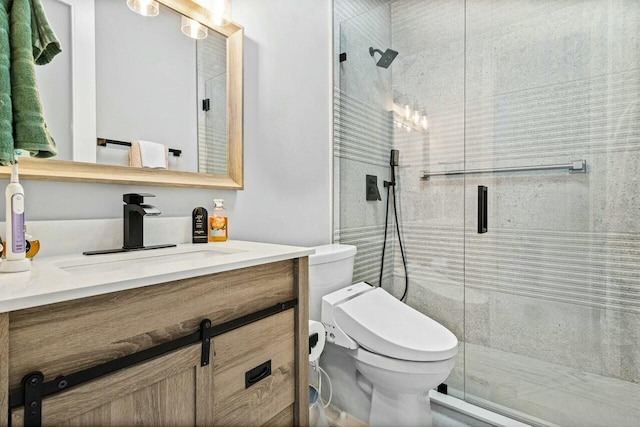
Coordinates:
(576, 166)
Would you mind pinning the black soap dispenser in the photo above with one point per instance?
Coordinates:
(199, 219)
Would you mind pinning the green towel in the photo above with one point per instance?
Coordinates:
(6, 112)
(45, 44)
(30, 41)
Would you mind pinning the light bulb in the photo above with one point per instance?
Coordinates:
(407, 112)
(408, 129)
(416, 117)
(425, 123)
(144, 7)
(220, 12)
(193, 29)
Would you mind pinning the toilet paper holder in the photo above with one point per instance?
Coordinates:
(317, 339)
(313, 341)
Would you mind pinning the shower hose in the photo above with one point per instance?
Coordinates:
(391, 188)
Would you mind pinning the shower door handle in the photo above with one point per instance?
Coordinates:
(483, 193)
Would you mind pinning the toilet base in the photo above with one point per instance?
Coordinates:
(392, 409)
(399, 389)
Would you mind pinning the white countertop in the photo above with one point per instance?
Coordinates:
(63, 278)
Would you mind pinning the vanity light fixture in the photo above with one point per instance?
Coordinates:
(410, 117)
(416, 117)
(193, 29)
(220, 12)
(144, 7)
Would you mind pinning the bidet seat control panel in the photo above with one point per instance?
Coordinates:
(334, 299)
(345, 294)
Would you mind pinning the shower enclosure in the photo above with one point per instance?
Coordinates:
(518, 125)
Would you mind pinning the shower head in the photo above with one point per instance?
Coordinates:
(387, 56)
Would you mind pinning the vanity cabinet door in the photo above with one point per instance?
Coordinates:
(160, 392)
(245, 393)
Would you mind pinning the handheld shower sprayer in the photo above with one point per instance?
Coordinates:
(394, 162)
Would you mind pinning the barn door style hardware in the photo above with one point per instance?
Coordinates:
(34, 388)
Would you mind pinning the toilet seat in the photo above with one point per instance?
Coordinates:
(382, 324)
(401, 366)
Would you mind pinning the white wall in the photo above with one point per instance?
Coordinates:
(287, 137)
(55, 82)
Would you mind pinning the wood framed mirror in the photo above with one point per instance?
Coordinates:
(84, 158)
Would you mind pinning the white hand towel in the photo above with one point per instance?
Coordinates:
(154, 155)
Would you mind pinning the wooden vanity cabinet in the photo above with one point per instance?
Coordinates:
(256, 375)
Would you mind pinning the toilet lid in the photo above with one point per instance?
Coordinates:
(381, 323)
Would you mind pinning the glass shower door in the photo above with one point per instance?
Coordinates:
(552, 251)
(414, 105)
(213, 135)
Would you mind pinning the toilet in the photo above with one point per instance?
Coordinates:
(400, 352)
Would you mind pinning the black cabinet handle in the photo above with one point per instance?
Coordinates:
(257, 374)
(483, 221)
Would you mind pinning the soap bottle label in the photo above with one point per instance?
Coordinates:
(218, 228)
(200, 225)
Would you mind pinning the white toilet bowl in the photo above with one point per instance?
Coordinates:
(401, 376)
(401, 352)
(399, 388)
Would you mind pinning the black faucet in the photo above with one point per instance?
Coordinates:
(134, 212)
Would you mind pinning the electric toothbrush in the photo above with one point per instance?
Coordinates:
(15, 261)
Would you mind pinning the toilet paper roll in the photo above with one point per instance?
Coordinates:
(317, 328)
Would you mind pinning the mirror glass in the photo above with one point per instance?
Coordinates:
(150, 82)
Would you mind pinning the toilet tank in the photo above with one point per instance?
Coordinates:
(330, 269)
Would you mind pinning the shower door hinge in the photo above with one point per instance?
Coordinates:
(206, 104)
(343, 57)
(442, 388)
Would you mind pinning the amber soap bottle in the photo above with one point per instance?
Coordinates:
(218, 223)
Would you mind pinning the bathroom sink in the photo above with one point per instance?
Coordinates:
(141, 260)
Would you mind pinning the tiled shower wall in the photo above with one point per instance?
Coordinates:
(548, 302)
(363, 133)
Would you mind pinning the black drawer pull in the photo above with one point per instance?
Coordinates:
(257, 374)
